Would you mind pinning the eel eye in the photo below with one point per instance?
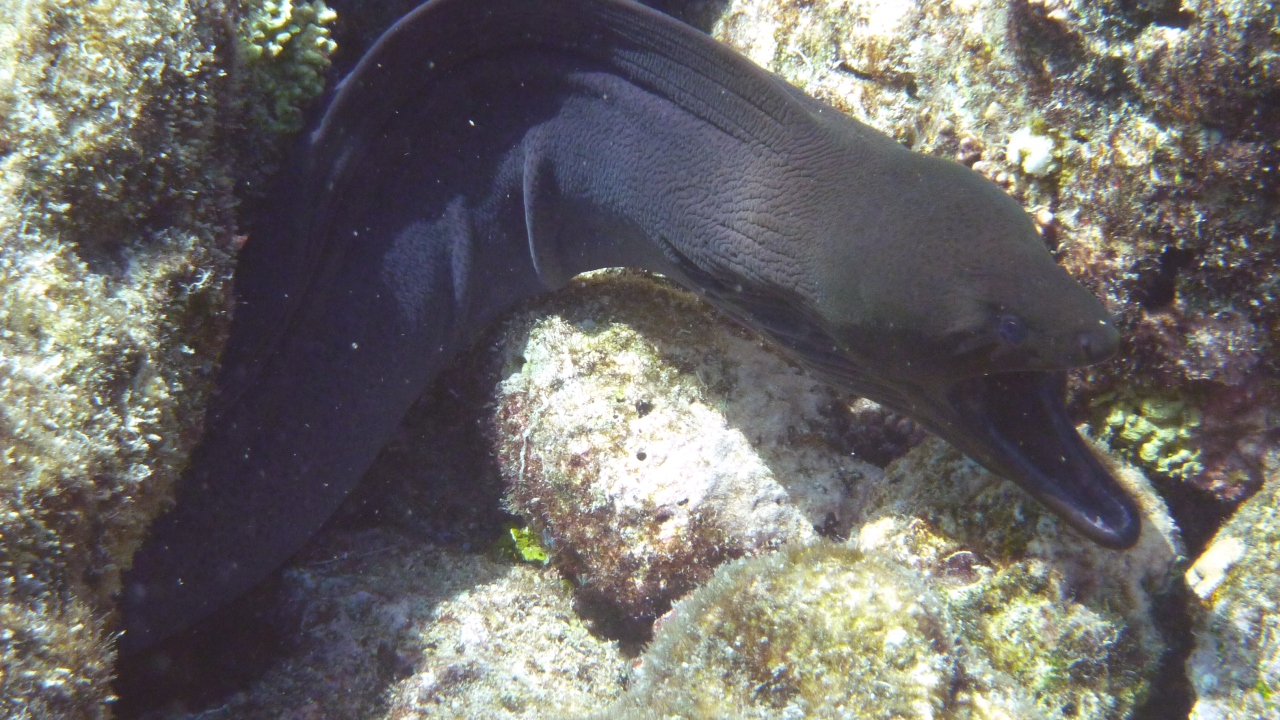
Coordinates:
(1010, 329)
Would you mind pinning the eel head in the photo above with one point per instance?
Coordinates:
(961, 319)
(973, 337)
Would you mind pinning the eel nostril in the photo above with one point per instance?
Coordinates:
(1097, 346)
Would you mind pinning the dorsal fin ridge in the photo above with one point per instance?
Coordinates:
(642, 45)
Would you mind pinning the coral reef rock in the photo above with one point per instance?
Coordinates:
(511, 648)
(117, 236)
(384, 626)
(959, 597)
(812, 631)
(114, 259)
(1069, 624)
(648, 439)
(825, 630)
(1235, 666)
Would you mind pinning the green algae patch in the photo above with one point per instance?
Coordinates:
(1071, 659)
(286, 47)
(524, 544)
(1155, 432)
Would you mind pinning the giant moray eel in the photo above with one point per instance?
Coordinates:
(485, 151)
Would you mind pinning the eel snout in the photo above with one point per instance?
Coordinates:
(1089, 345)
(1016, 424)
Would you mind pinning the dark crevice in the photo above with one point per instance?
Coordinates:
(903, 81)
(1167, 13)
(1157, 285)
(1199, 515)
(1175, 18)
(198, 668)
(1170, 697)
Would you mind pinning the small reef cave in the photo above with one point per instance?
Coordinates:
(1157, 283)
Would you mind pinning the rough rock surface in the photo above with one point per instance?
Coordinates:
(1068, 624)
(1235, 667)
(958, 598)
(381, 625)
(829, 631)
(114, 258)
(648, 440)
(812, 631)
(117, 236)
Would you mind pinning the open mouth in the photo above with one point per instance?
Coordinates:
(1016, 425)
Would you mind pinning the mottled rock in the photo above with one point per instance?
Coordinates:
(509, 649)
(114, 258)
(1069, 624)
(1235, 666)
(649, 438)
(117, 237)
(812, 631)
(826, 630)
(378, 625)
(959, 598)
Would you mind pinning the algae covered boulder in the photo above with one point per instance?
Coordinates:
(114, 259)
(117, 239)
(649, 439)
(1235, 665)
(378, 624)
(1072, 626)
(957, 598)
(819, 631)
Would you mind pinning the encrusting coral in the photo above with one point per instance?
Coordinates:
(827, 630)
(117, 236)
(286, 48)
(1070, 625)
(815, 631)
(1155, 432)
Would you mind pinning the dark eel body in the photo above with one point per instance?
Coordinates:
(485, 151)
